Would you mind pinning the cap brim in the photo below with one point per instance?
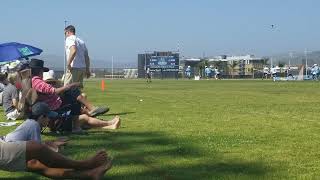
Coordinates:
(52, 114)
(45, 69)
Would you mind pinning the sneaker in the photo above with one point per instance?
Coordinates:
(98, 111)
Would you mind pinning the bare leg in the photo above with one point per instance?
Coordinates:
(60, 173)
(56, 160)
(84, 110)
(96, 123)
(85, 102)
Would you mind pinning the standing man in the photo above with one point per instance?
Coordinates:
(148, 75)
(188, 72)
(265, 72)
(78, 61)
(217, 76)
(207, 70)
(274, 73)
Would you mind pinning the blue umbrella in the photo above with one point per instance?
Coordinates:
(13, 50)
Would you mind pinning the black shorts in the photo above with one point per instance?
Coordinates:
(148, 76)
(69, 99)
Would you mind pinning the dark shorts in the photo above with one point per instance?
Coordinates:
(148, 75)
(69, 100)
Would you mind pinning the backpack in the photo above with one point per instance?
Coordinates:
(62, 124)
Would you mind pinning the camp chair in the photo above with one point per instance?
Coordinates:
(29, 95)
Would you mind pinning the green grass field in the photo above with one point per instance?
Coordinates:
(204, 130)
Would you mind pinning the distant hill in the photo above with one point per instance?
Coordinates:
(57, 62)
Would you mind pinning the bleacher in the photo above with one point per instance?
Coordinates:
(130, 73)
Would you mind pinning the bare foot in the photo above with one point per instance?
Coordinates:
(115, 119)
(98, 172)
(99, 159)
(115, 125)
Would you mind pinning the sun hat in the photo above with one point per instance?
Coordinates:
(38, 64)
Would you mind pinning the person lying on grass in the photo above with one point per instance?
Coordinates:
(30, 129)
(38, 158)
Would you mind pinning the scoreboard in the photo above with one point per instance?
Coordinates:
(164, 63)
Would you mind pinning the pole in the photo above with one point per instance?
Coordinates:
(112, 67)
(64, 54)
(145, 64)
(291, 55)
(305, 54)
(145, 61)
(178, 47)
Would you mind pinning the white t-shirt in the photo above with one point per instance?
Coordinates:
(79, 59)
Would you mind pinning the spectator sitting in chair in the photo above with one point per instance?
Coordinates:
(10, 97)
(49, 77)
(71, 95)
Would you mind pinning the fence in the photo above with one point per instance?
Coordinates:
(131, 73)
(116, 73)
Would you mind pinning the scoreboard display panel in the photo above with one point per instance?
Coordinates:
(165, 63)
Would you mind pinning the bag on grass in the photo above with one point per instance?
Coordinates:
(62, 124)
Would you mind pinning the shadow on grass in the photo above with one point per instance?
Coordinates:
(152, 155)
(199, 171)
(162, 157)
(22, 176)
(120, 113)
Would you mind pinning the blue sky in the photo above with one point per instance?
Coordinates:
(124, 28)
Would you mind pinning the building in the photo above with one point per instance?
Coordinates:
(163, 64)
(242, 66)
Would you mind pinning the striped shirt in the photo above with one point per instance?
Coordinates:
(46, 93)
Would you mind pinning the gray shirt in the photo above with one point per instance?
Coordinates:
(29, 130)
(10, 92)
(1, 87)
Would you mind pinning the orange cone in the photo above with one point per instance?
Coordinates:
(102, 85)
